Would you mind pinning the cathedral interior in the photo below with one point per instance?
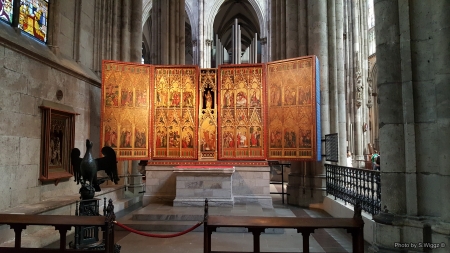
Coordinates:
(197, 98)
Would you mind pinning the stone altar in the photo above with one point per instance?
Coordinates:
(250, 181)
(195, 183)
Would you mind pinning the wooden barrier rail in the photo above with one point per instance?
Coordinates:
(306, 226)
(62, 223)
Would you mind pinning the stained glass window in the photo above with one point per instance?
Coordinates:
(6, 10)
(33, 18)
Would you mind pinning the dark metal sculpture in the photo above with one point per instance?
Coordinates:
(88, 166)
(85, 169)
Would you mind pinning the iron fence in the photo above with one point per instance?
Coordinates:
(355, 185)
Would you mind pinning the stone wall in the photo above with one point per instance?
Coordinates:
(30, 73)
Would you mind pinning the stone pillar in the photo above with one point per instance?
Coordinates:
(332, 66)
(392, 138)
(201, 39)
(340, 82)
(136, 32)
(313, 190)
(168, 32)
(318, 45)
(115, 50)
(125, 31)
(291, 29)
(413, 78)
(302, 29)
(54, 26)
(358, 88)
(273, 27)
(135, 184)
(277, 30)
(76, 32)
(282, 32)
(181, 47)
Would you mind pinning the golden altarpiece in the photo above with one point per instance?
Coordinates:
(246, 113)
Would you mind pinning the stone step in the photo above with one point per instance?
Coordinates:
(179, 226)
(174, 223)
(167, 217)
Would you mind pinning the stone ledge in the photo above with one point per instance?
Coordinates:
(54, 203)
(210, 170)
(201, 202)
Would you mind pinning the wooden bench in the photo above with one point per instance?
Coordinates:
(306, 226)
(62, 223)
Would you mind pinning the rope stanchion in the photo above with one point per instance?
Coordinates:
(157, 235)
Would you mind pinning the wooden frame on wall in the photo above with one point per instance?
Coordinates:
(57, 141)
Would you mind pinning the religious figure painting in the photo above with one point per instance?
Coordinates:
(242, 112)
(125, 115)
(207, 131)
(293, 111)
(175, 118)
(141, 98)
(112, 95)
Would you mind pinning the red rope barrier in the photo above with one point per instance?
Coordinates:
(157, 235)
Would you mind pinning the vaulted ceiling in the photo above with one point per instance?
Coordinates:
(247, 19)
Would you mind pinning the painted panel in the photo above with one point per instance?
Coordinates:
(125, 116)
(242, 112)
(175, 120)
(292, 114)
(208, 115)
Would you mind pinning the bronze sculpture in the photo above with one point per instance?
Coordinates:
(85, 169)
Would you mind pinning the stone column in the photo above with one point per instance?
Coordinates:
(135, 184)
(136, 32)
(340, 82)
(358, 88)
(201, 39)
(413, 77)
(277, 30)
(318, 45)
(168, 32)
(76, 32)
(332, 66)
(291, 29)
(282, 31)
(181, 33)
(54, 26)
(391, 119)
(273, 27)
(441, 50)
(115, 50)
(302, 28)
(125, 31)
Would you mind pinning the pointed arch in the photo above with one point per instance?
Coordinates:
(260, 13)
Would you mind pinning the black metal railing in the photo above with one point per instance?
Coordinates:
(355, 185)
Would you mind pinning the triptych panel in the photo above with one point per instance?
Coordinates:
(207, 130)
(242, 112)
(234, 112)
(175, 112)
(125, 109)
(292, 109)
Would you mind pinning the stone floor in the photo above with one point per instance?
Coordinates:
(322, 240)
(325, 240)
